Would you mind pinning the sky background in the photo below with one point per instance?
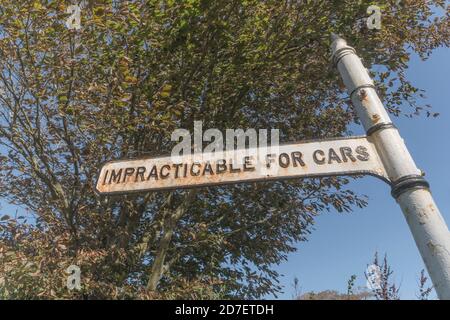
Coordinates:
(344, 243)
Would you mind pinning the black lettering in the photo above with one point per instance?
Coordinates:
(140, 172)
(284, 163)
(177, 167)
(297, 158)
(106, 175)
(234, 170)
(208, 169)
(128, 172)
(363, 155)
(346, 152)
(269, 159)
(192, 169)
(115, 177)
(166, 175)
(221, 166)
(316, 159)
(333, 156)
(248, 164)
(185, 170)
(153, 173)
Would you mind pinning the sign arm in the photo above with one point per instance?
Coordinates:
(317, 158)
(409, 188)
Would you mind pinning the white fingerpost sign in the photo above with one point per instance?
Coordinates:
(343, 156)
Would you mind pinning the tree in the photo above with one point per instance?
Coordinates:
(379, 281)
(118, 87)
(383, 287)
(334, 295)
(424, 289)
(351, 294)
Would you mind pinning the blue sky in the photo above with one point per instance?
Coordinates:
(343, 244)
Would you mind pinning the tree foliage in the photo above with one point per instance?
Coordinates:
(134, 72)
(385, 287)
(381, 287)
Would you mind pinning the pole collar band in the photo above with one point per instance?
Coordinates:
(340, 53)
(363, 86)
(380, 126)
(408, 182)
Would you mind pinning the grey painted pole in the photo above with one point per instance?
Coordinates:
(409, 188)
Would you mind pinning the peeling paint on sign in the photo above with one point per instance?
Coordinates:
(343, 156)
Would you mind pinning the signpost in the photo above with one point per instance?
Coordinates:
(409, 187)
(345, 156)
(382, 153)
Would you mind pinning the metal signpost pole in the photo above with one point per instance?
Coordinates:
(409, 188)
